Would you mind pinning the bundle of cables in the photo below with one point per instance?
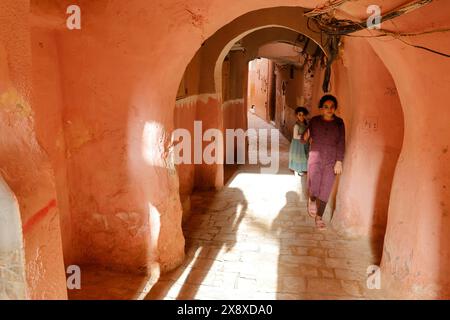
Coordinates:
(326, 23)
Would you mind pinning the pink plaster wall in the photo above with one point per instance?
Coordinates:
(416, 251)
(209, 112)
(207, 109)
(375, 135)
(48, 105)
(234, 109)
(23, 162)
(125, 206)
(416, 254)
(294, 97)
(234, 117)
(185, 112)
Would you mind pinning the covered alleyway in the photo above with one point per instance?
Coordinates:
(113, 179)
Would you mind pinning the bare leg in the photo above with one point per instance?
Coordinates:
(320, 224)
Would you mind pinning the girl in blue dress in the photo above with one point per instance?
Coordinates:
(298, 152)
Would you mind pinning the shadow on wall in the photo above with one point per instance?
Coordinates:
(382, 196)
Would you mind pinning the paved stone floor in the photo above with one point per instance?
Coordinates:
(101, 284)
(252, 240)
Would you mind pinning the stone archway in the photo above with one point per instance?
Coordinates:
(284, 17)
(208, 62)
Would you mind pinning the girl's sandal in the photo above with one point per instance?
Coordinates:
(320, 225)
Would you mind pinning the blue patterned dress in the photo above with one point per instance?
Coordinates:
(298, 152)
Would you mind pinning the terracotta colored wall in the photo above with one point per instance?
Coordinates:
(185, 112)
(279, 50)
(184, 117)
(317, 91)
(234, 117)
(24, 164)
(238, 73)
(124, 197)
(210, 114)
(375, 135)
(48, 105)
(234, 112)
(416, 250)
(294, 97)
(256, 41)
(416, 254)
(205, 108)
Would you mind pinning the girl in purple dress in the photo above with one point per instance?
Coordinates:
(326, 134)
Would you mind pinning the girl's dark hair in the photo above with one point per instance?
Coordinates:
(301, 109)
(328, 97)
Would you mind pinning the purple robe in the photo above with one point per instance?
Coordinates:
(327, 147)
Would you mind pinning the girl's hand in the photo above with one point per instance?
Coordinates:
(338, 167)
(306, 135)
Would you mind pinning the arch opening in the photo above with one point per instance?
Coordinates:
(223, 59)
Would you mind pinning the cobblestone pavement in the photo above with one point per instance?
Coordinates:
(254, 240)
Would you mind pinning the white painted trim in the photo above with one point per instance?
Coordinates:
(194, 98)
(231, 102)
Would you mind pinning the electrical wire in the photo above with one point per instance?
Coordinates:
(326, 8)
(425, 48)
(387, 33)
(407, 43)
(397, 36)
(334, 27)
